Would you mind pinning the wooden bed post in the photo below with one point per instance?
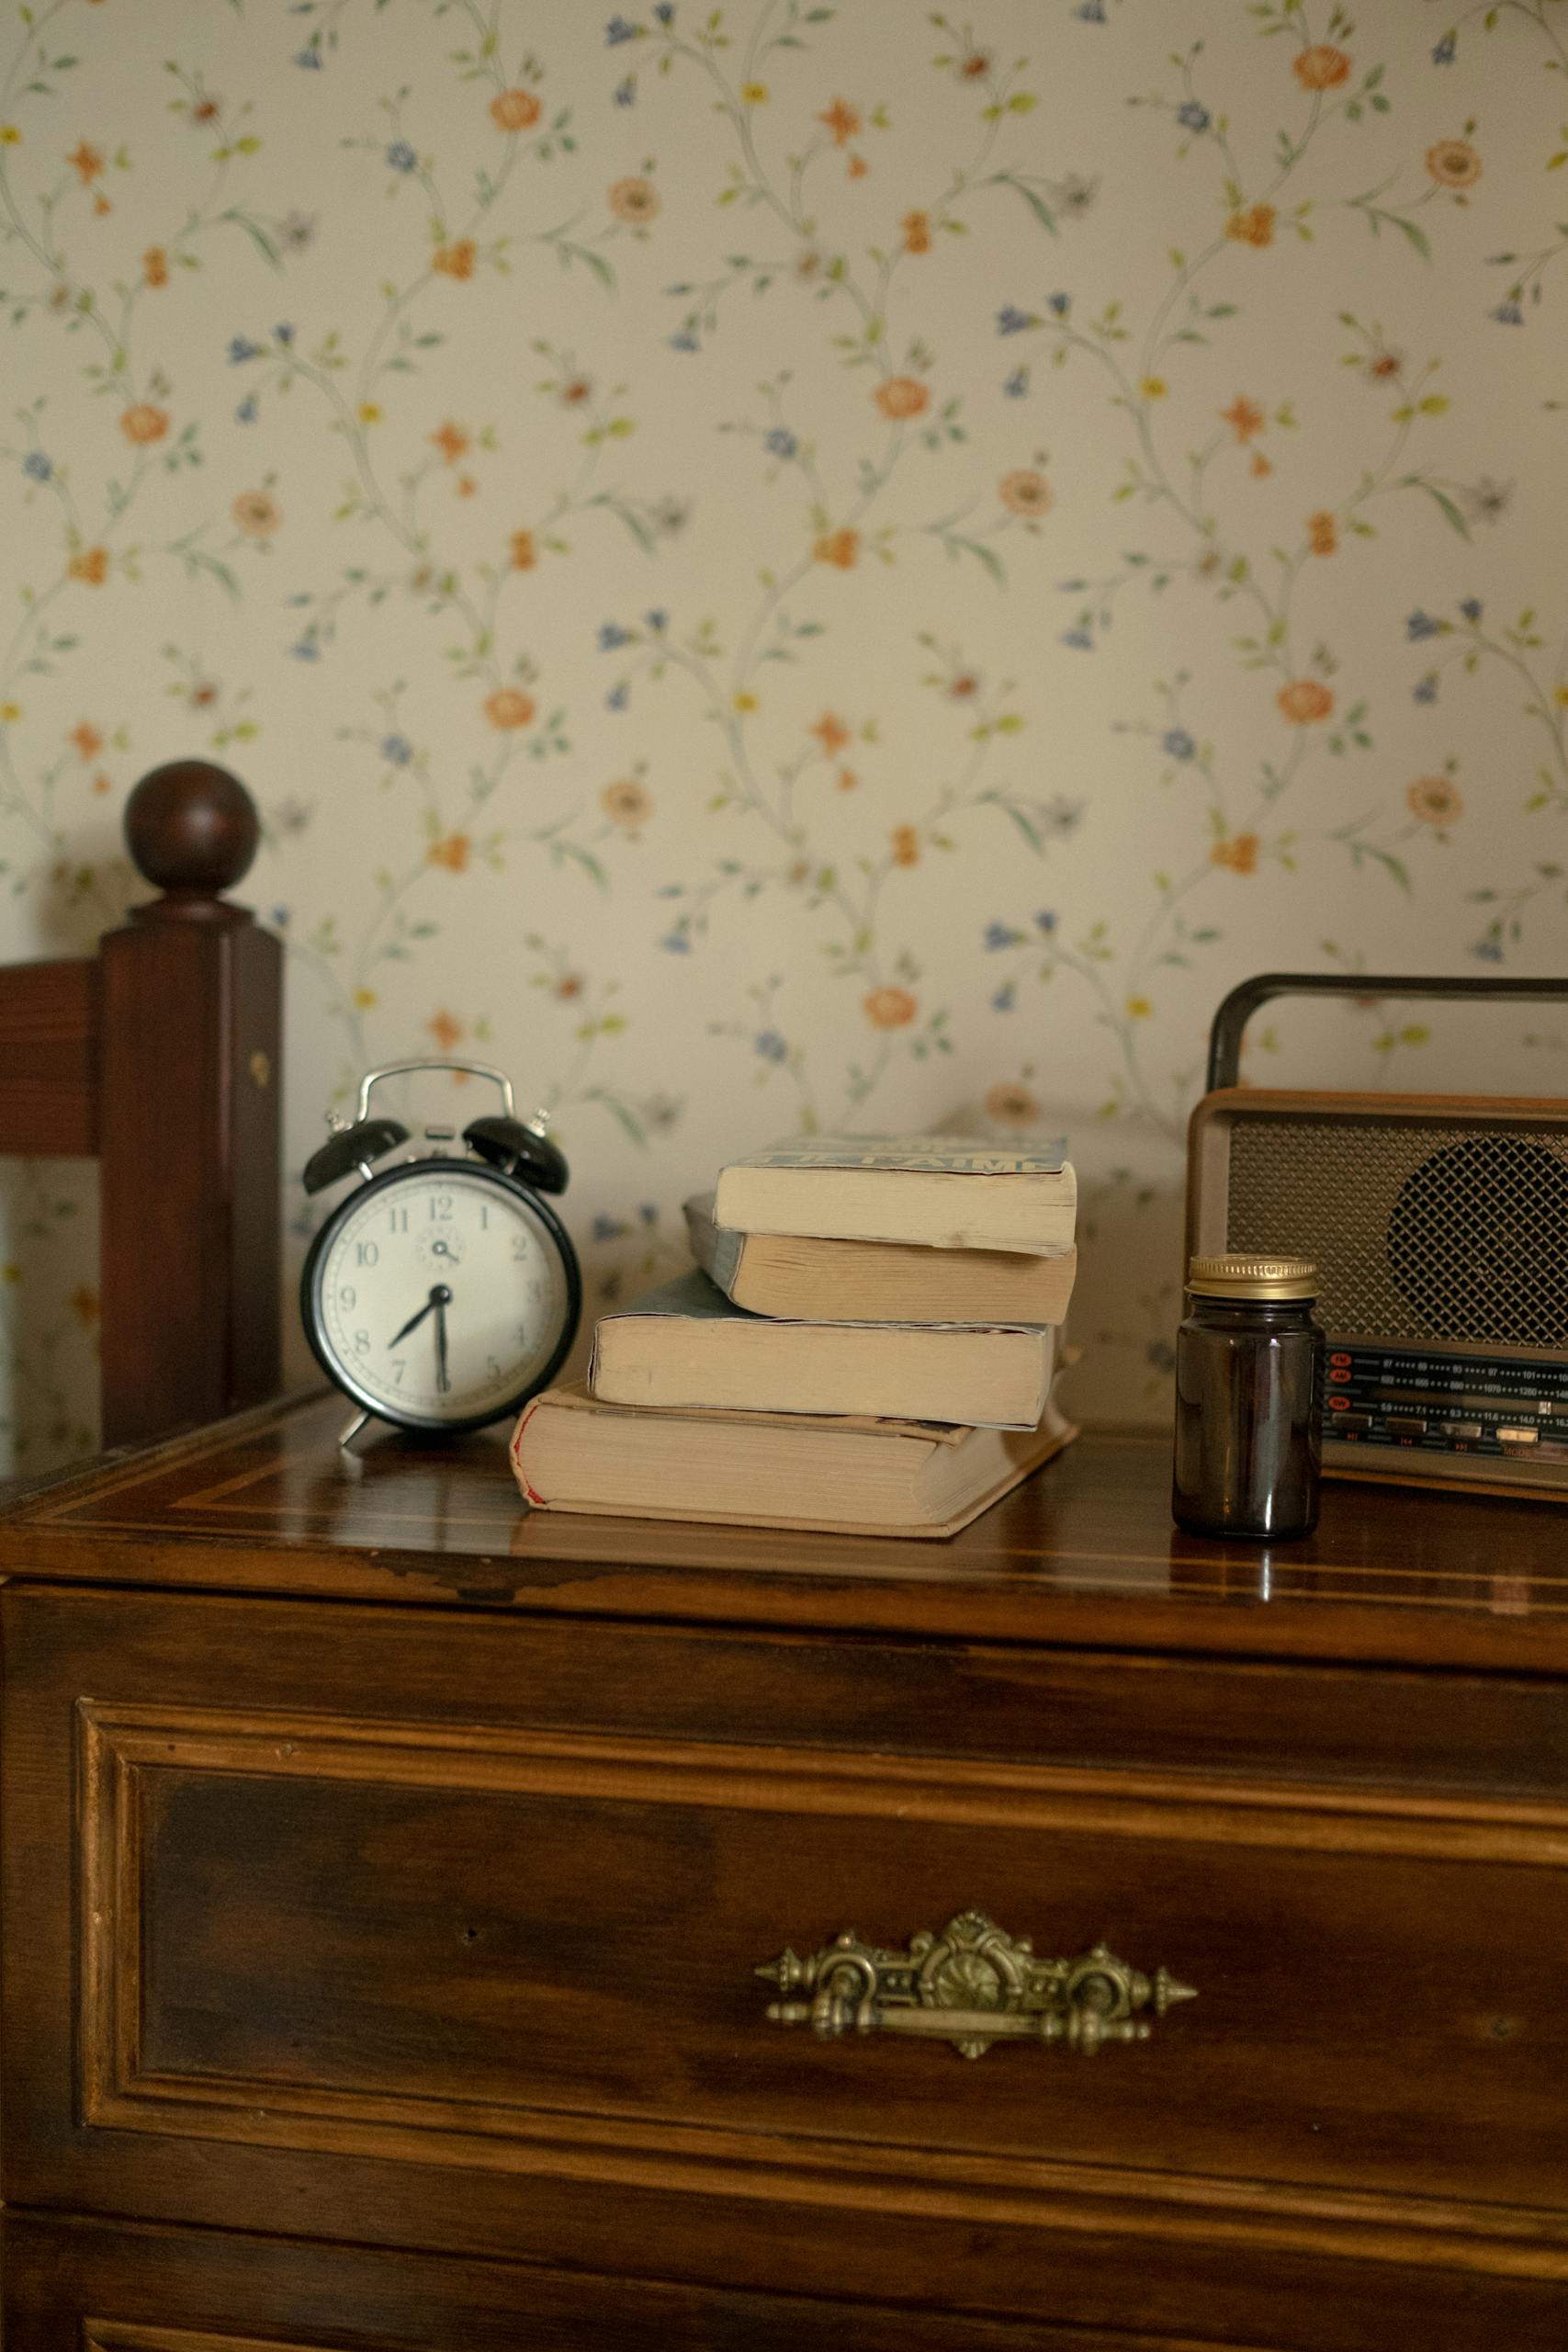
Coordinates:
(188, 1130)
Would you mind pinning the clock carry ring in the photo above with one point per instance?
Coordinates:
(520, 1149)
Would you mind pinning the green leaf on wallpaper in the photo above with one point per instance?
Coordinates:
(256, 233)
(1440, 498)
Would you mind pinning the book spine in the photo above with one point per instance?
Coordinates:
(530, 1495)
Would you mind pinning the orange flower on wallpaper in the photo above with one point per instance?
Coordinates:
(524, 554)
(514, 109)
(92, 565)
(452, 852)
(901, 397)
(846, 779)
(856, 168)
(257, 513)
(1453, 163)
(1024, 492)
(1239, 853)
(1322, 535)
(87, 739)
(1303, 700)
(452, 442)
(455, 261)
(86, 163)
(889, 1008)
(508, 707)
(1254, 225)
(1435, 800)
(143, 424)
(1321, 67)
(830, 731)
(841, 548)
(842, 121)
(85, 1306)
(1245, 418)
(626, 803)
(446, 1030)
(155, 267)
(917, 230)
(635, 199)
(1011, 1104)
(1260, 464)
(906, 845)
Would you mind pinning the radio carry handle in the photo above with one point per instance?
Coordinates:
(1248, 996)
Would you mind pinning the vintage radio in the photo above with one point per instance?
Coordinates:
(1439, 1227)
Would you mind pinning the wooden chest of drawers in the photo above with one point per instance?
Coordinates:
(387, 1879)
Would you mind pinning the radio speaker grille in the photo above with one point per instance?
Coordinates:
(1422, 1233)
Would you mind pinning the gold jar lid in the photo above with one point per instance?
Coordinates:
(1253, 1278)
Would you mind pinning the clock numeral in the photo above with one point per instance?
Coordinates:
(348, 1296)
(493, 1367)
(366, 1253)
(399, 1368)
(362, 1342)
(484, 1217)
(400, 1221)
(519, 1249)
(440, 1205)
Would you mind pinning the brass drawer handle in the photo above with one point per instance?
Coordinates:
(971, 1985)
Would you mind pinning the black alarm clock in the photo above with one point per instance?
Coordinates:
(444, 1291)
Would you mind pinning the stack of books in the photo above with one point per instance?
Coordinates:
(868, 1343)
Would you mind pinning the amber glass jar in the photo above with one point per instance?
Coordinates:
(1250, 1375)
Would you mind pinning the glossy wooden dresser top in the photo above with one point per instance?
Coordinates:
(1083, 1553)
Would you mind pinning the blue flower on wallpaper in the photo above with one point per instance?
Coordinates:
(248, 409)
(284, 333)
(771, 1046)
(1005, 997)
(242, 348)
(1002, 934)
(618, 696)
(1160, 1355)
(675, 943)
(1079, 639)
(309, 59)
(1507, 314)
(1444, 52)
(1490, 951)
(1420, 624)
(612, 634)
(656, 621)
(40, 468)
(401, 157)
(618, 31)
(1059, 304)
(1012, 321)
(1425, 689)
(397, 749)
(1193, 117)
(685, 340)
(1044, 921)
(1179, 745)
(305, 648)
(607, 1228)
(1017, 384)
(665, 12)
(1470, 609)
(780, 442)
(1090, 12)
(626, 92)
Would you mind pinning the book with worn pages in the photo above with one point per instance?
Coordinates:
(849, 1476)
(815, 1280)
(685, 1344)
(943, 1191)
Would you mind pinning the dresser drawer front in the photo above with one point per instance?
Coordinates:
(324, 1951)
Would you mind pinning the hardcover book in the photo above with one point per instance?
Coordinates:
(685, 1344)
(941, 1191)
(851, 1475)
(816, 1281)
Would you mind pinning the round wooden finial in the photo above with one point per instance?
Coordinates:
(192, 828)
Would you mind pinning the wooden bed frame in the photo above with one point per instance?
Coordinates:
(159, 1057)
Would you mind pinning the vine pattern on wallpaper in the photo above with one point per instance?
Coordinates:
(897, 474)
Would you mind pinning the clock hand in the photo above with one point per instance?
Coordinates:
(442, 1381)
(438, 1297)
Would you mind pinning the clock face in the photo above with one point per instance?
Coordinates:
(441, 1294)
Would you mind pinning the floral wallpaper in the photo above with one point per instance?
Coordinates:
(785, 563)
